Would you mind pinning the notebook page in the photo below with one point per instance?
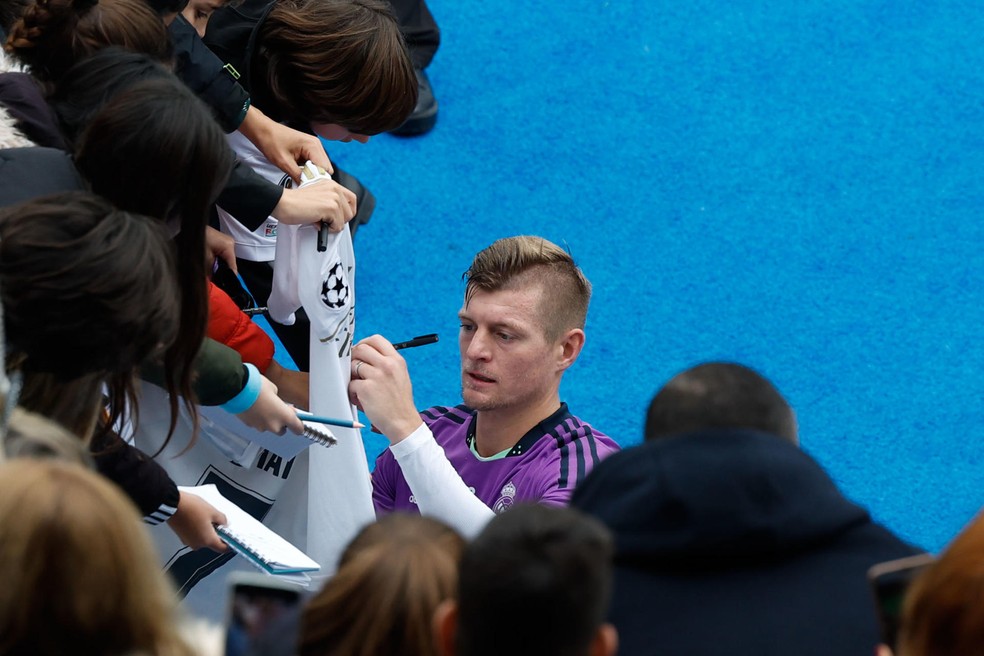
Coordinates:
(269, 548)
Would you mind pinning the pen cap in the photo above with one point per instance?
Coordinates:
(312, 173)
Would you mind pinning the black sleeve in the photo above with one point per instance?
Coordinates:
(207, 76)
(143, 480)
(26, 173)
(248, 196)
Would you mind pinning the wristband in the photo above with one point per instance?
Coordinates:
(250, 392)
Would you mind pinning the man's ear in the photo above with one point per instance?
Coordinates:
(570, 345)
(605, 642)
(445, 626)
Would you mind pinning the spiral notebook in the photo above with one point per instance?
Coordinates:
(248, 537)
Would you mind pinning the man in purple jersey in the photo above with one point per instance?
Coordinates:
(522, 326)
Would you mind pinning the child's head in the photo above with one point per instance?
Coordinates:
(334, 62)
(390, 580)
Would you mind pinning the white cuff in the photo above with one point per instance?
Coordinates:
(420, 436)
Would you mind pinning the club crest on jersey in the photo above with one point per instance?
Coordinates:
(506, 496)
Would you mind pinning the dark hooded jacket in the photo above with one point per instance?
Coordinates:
(736, 542)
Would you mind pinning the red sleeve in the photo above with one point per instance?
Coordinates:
(228, 325)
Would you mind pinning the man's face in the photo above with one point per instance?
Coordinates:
(197, 12)
(506, 359)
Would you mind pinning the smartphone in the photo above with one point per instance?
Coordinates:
(227, 281)
(263, 611)
(889, 582)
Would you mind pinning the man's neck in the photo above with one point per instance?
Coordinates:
(499, 430)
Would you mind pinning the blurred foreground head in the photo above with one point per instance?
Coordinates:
(390, 580)
(719, 395)
(80, 572)
(943, 613)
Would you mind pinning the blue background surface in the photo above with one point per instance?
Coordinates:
(793, 187)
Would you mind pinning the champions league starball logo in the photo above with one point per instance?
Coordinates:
(334, 289)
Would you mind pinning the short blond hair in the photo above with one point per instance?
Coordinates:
(80, 573)
(524, 261)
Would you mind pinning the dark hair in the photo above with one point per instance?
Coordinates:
(548, 569)
(87, 291)
(95, 80)
(527, 260)
(390, 580)
(154, 148)
(719, 395)
(82, 287)
(334, 61)
(10, 11)
(51, 35)
(163, 7)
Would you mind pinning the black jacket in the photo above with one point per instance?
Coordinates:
(21, 95)
(26, 173)
(247, 196)
(736, 542)
(207, 75)
(232, 35)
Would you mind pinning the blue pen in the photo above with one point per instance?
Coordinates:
(344, 423)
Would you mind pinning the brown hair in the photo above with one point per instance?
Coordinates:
(80, 572)
(86, 287)
(75, 405)
(516, 262)
(943, 615)
(88, 293)
(390, 580)
(335, 61)
(51, 35)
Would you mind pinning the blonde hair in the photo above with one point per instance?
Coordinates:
(390, 580)
(32, 436)
(80, 574)
(526, 261)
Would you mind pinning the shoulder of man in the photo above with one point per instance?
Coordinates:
(570, 430)
(567, 451)
(440, 416)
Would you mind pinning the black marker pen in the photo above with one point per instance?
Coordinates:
(416, 341)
